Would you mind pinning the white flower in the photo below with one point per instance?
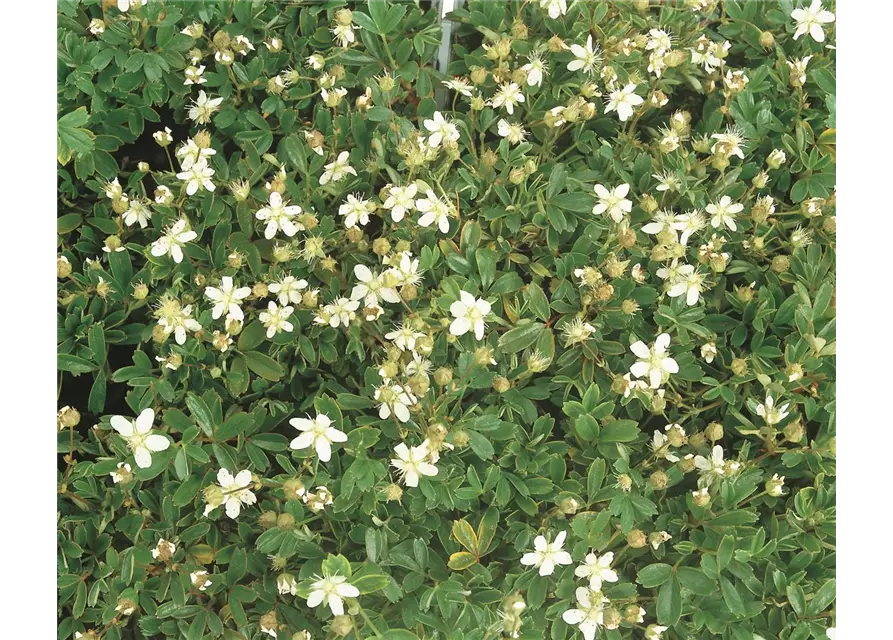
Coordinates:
(330, 591)
(335, 171)
(775, 485)
(613, 203)
(372, 287)
(547, 554)
(319, 499)
(404, 337)
(654, 362)
(400, 201)
(811, 19)
(772, 414)
(275, 319)
(96, 27)
(831, 632)
(441, 129)
(234, 492)
(176, 319)
(199, 579)
(554, 7)
(198, 175)
(227, 299)
(654, 631)
(163, 547)
(688, 223)
(661, 447)
(661, 221)
(434, 210)
(514, 133)
(406, 270)
(316, 62)
(189, 153)
(586, 58)
(114, 190)
(659, 40)
(460, 85)
(412, 463)
(729, 142)
(120, 473)
(623, 101)
(597, 569)
(344, 34)
(341, 312)
(288, 289)
(394, 399)
(163, 137)
(688, 281)
(194, 75)
(355, 211)
(577, 331)
(286, 585)
(590, 614)
(173, 241)
(469, 314)
(279, 217)
(163, 194)
(535, 70)
(317, 433)
(708, 352)
(126, 5)
(657, 538)
(139, 437)
(724, 212)
(712, 468)
(203, 108)
(138, 211)
(508, 95)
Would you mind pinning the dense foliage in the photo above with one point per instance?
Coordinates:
(540, 347)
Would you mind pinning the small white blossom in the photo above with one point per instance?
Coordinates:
(613, 203)
(514, 133)
(724, 212)
(172, 242)
(198, 175)
(335, 171)
(234, 491)
(227, 299)
(139, 437)
(400, 201)
(555, 8)
(394, 400)
(585, 58)
(597, 569)
(811, 19)
(278, 217)
(203, 108)
(589, 615)
(356, 211)
(622, 101)
(546, 555)
(434, 211)
(469, 314)
(508, 96)
(288, 289)
(772, 414)
(317, 433)
(441, 129)
(199, 579)
(330, 591)
(275, 319)
(412, 463)
(654, 363)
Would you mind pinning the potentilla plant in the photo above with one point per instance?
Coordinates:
(538, 345)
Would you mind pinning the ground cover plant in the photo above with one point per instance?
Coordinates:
(538, 345)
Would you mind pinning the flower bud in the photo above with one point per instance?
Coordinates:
(285, 521)
(103, 288)
(478, 75)
(443, 376)
(739, 366)
(68, 417)
(687, 464)
(268, 623)
(774, 485)
(568, 506)
(140, 291)
(342, 625)
(517, 175)
(461, 437)
(829, 224)
(701, 497)
(794, 432)
(393, 492)
(714, 431)
(344, 17)
(636, 539)
(611, 617)
(624, 482)
(658, 480)
(780, 264)
(63, 267)
(159, 334)
(293, 489)
(489, 158)
(267, 520)
(658, 404)
(767, 40)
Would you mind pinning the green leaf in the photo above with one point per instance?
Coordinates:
(822, 598)
(654, 575)
(371, 582)
(74, 364)
(461, 560)
(263, 365)
(669, 602)
(464, 533)
(200, 413)
(520, 337)
(619, 431)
